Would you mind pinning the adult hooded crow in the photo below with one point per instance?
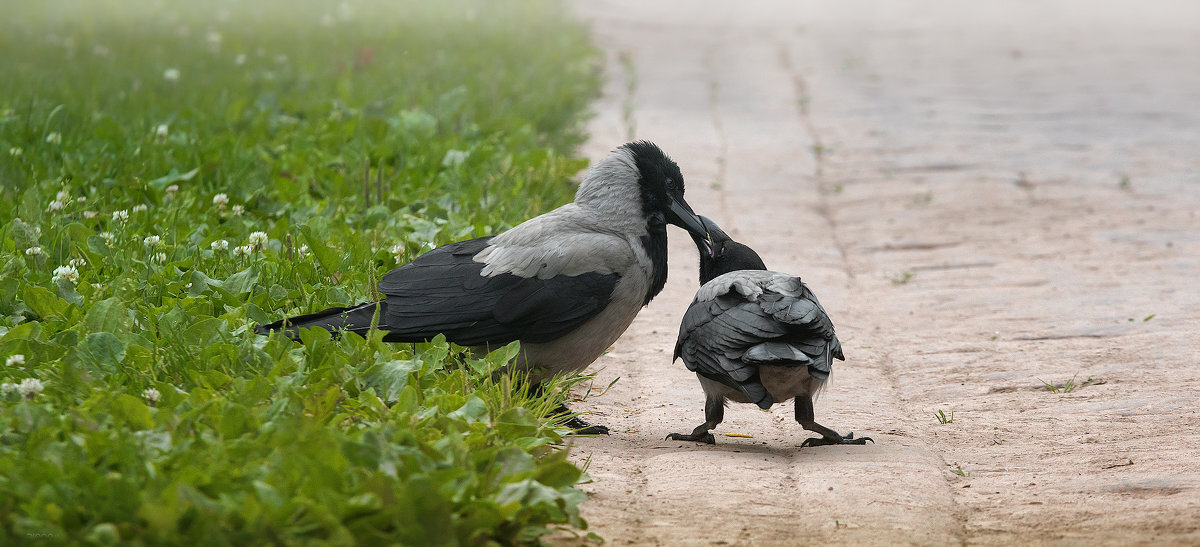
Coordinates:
(565, 284)
(755, 336)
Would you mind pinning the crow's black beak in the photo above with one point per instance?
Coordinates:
(714, 234)
(681, 215)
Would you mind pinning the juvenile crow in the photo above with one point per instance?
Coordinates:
(755, 336)
(566, 283)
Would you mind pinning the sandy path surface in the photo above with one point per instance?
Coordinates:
(987, 197)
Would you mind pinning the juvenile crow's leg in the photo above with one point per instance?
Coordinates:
(807, 419)
(714, 413)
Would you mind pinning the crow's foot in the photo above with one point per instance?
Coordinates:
(704, 438)
(840, 439)
(579, 426)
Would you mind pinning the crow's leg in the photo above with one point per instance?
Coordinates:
(714, 413)
(807, 419)
(577, 425)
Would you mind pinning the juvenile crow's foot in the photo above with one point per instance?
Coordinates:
(836, 439)
(699, 435)
(578, 425)
(702, 438)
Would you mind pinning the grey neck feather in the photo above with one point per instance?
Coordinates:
(611, 190)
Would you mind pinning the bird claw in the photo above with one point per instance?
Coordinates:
(707, 438)
(579, 426)
(845, 439)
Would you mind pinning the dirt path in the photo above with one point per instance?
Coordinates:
(986, 197)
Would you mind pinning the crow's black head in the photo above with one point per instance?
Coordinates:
(721, 254)
(661, 185)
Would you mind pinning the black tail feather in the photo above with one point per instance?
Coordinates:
(356, 319)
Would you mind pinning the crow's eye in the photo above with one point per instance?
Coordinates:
(670, 183)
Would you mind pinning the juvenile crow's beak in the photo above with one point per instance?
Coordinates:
(680, 214)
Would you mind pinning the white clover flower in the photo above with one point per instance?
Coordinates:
(89, 214)
(171, 74)
(213, 38)
(151, 241)
(258, 240)
(100, 50)
(239, 60)
(81, 199)
(242, 250)
(303, 250)
(160, 132)
(281, 59)
(33, 251)
(14, 360)
(220, 200)
(160, 258)
(238, 210)
(77, 262)
(37, 230)
(30, 388)
(54, 138)
(455, 157)
(16, 152)
(67, 272)
(121, 216)
(398, 250)
(172, 188)
(140, 207)
(151, 395)
(220, 245)
(108, 237)
(61, 200)
(8, 389)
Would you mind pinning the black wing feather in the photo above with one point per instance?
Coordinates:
(444, 291)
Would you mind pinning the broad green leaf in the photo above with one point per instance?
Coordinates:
(557, 472)
(132, 411)
(240, 282)
(328, 259)
(66, 291)
(24, 331)
(43, 302)
(389, 378)
(172, 177)
(204, 333)
(101, 351)
(474, 410)
(99, 245)
(108, 315)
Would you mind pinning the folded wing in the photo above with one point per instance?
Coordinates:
(730, 331)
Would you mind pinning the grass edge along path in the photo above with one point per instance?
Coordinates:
(172, 174)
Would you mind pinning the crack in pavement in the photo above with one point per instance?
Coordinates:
(802, 98)
(714, 90)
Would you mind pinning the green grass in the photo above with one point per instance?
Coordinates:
(172, 174)
(1070, 385)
